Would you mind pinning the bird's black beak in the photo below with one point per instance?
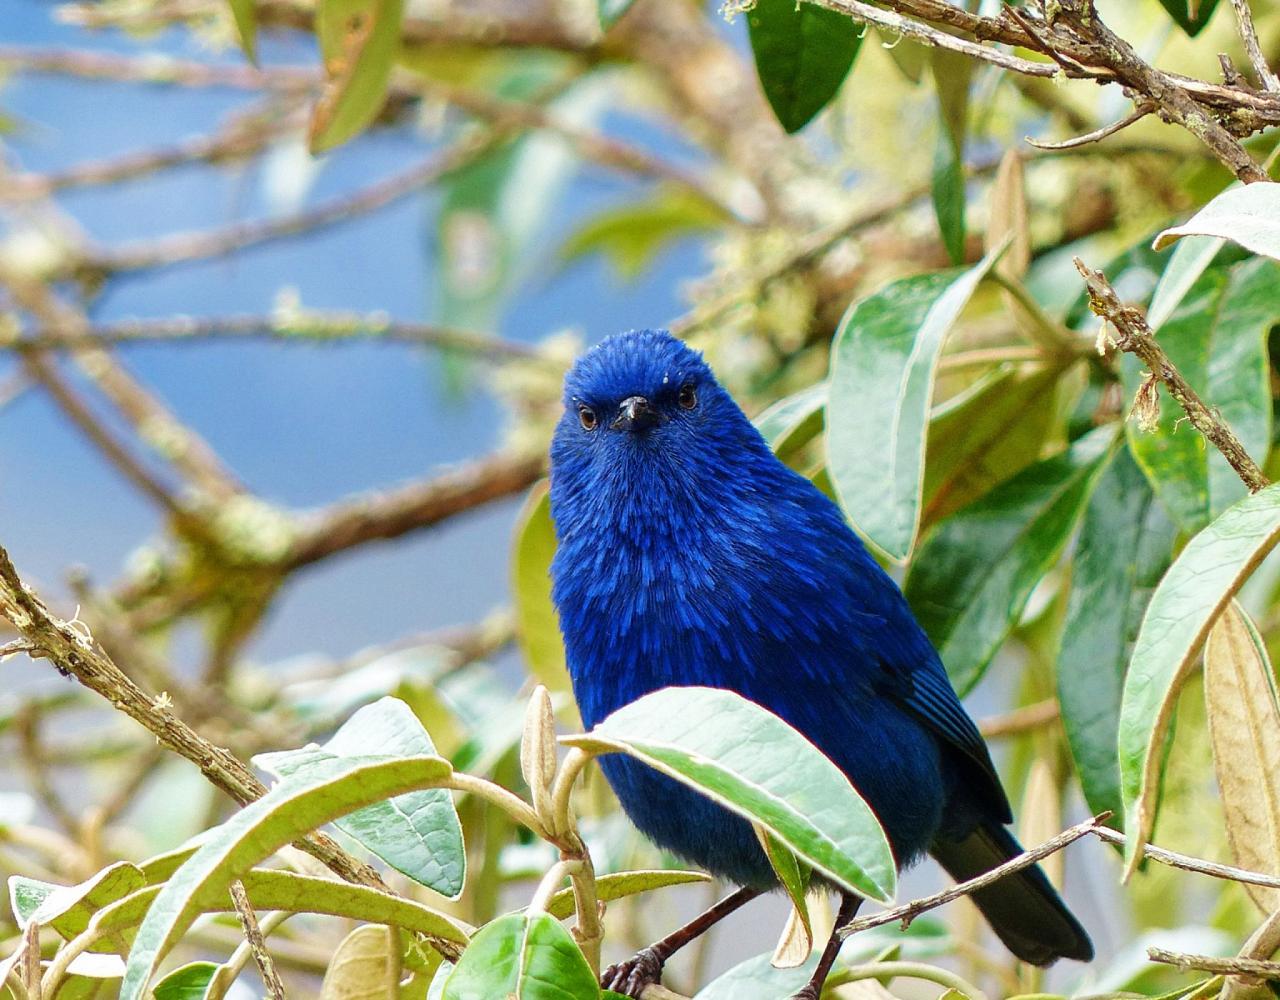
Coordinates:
(635, 414)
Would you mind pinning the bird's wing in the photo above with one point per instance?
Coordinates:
(926, 693)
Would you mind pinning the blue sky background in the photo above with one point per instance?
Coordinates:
(301, 426)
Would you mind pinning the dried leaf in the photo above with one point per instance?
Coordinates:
(366, 966)
(794, 945)
(1244, 726)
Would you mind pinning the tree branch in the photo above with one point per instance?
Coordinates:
(1249, 35)
(356, 522)
(1251, 967)
(75, 654)
(1133, 336)
(300, 326)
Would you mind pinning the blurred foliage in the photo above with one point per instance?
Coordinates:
(889, 289)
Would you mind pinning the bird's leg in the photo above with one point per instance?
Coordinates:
(812, 990)
(645, 967)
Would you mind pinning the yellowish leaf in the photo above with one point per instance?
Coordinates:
(537, 625)
(1244, 726)
(359, 40)
(366, 966)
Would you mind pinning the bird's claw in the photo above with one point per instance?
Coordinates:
(809, 991)
(632, 976)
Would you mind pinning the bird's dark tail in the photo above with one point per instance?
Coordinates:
(1023, 909)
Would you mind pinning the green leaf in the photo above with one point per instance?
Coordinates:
(757, 979)
(537, 624)
(803, 53)
(1248, 215)
(1125, 545)
(1190, 15)
(245, 14)
(293, 808)
(1204, 577)
(611, 11)
(622, 884)
(1188, 261)
(991, 434)
(973, 576)
(754, 764)
(189, 982)
(794, 878)
(494, 211)
(67, 909)
(359, 42)
(948, 193)
(417, 834)
(631, 236)
(269, 889)
(883, 363)
(522, 957)
(1217, 340)
(952, 73)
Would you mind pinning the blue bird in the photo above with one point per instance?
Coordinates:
(689, 555)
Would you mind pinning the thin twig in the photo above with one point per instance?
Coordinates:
(304, 327)
(154, 68)
(1133, 336)
(154, 423)
(1252, 967)
(1262, 944)
(253, 935)
(184, 248)
(1138, 113)
(1249, 34)
(1033, 716)
(1187, 863)
(909, 911)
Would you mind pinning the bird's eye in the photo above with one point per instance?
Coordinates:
(688, 396)
(587, 417)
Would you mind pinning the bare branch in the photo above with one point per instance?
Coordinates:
(351, 523)
(1138, 113)
(186, 247)
(909, 911)
(303, 327)
(1252, 967)
(1249, 35)
(75, 654)
(1133, 336)
(1187, 863)
(253, 935)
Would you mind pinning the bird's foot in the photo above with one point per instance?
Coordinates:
(631, 977)
(810, 991)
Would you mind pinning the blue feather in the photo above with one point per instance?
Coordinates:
(688, 554)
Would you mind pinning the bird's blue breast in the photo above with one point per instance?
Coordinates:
(750, 582)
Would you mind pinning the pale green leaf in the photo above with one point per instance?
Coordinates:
(1204, 577)
(883, 364)
(290, 810)
(418, 834)
(1248, 215)
(522, 957)
(754, 764)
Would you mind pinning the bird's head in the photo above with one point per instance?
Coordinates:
(647, 432)
(640, 396)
